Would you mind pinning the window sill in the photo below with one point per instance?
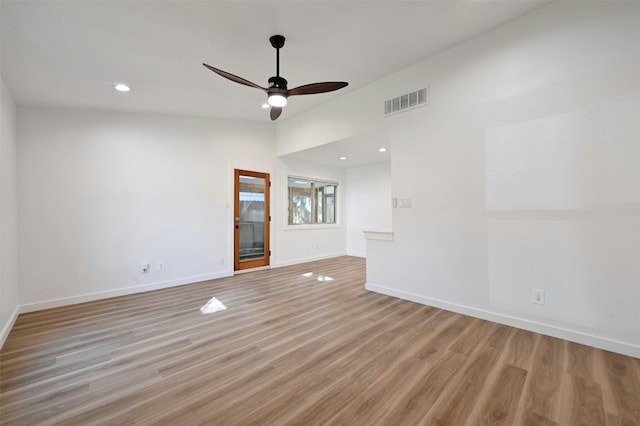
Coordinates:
(311, 227)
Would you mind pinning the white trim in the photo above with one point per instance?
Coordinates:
(55, 303)
(356, 254)
(378, 235)
(306, 259)
(310, 179)
(8, 326)
(310, 226)
(576, 336)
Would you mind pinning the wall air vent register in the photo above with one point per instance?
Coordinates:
(407, 101)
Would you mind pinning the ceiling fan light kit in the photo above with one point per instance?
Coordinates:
(277, 92)
(277, 100)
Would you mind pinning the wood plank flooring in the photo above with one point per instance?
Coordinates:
(292, 349)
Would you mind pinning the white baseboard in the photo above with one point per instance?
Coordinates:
(356, 254)
(8, 326)
(89, 297)
(306, 259)
(576, 336)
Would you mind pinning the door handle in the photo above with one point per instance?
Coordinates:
(237, 226)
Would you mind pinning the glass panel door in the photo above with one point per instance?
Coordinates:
(251, 219)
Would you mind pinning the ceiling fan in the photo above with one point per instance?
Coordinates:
(277, 92)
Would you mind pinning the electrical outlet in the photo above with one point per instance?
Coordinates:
(406, 203)
(161, 266)
(537, 296)
(222, 260)
(146, 268)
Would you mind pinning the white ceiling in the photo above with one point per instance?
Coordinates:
(71, 53)
(360, 150)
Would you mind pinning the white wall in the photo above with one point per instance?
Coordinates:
(528, 162)
(101, 193)
(368, 204)
(525, 155)
(8, 215)
(296, 244)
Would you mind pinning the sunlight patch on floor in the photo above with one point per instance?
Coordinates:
(320, 278)
(213, 305)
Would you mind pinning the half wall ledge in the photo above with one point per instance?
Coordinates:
(384, 235)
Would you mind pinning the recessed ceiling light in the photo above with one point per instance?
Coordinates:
(382, 149)
(121, 87)
(343, 158)
(265, 105)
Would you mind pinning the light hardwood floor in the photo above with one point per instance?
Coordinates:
(294, 350)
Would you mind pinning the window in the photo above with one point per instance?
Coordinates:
(311, 201)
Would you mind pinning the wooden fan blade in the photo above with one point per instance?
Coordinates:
(234, 78)
(310, 89)
(275, 113)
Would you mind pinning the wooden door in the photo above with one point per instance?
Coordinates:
(251, 219)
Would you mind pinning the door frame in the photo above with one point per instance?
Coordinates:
(256, 263)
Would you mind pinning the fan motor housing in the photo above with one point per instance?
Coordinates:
(277, 83)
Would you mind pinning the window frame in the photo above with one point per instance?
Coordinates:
(302, 226)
